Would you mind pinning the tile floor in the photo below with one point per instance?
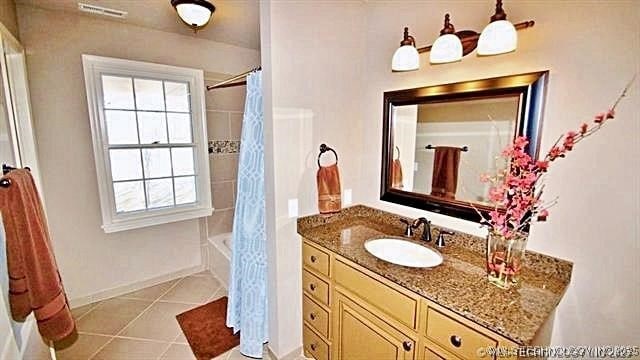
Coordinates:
(141, 325)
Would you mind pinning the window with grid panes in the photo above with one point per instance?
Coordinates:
(148, 125)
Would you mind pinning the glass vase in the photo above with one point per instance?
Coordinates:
(505, 258)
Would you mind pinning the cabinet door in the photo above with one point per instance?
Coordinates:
(360, 335)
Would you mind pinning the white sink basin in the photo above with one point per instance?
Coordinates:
(402, 252)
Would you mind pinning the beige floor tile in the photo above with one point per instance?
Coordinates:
(81, 311)
(158, 322)
(111, 316)
(181, 339)
(234, 354)
(128, 349)
(80, 347)
(150, 293)
(193, 290)
(220, 293)
(178, 352)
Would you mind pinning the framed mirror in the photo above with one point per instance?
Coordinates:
(438, 140)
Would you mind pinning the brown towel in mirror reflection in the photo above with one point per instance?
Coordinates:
(444, 181)
(328, 178)
(396, 174)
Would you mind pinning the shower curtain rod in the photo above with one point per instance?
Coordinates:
(230, 82)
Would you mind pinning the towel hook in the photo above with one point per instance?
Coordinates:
(323, 149)
(5, 183)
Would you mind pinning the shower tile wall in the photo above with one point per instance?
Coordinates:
(224, 123)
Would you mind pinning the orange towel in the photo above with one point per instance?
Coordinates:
(444, 181)
(34, 282)
(396, 174)
(328, 179)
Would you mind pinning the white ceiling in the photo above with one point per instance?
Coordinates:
(234, 22)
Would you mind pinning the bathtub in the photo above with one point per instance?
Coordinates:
(219, 257)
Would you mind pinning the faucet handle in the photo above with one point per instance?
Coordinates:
(441, 234)
(408, 231)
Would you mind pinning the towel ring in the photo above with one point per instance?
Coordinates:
(398, 150)
(323, 149)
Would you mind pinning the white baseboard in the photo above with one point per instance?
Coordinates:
(295, 354)
(121, 290)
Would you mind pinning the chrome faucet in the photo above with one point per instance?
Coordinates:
(412, 225)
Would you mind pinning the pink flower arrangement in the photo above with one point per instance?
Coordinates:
(516, 191)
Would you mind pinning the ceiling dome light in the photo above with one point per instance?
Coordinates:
(195, 13)
(500, 36)
(448, 47)
(406, 58)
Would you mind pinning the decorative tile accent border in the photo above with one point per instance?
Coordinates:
(224, 146)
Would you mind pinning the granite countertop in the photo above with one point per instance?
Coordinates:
(460, 282)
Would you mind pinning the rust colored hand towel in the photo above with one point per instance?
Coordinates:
(328, 179)
(396, 174)
(34, 281)
(444, 181)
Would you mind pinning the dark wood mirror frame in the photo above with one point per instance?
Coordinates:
(531, 88)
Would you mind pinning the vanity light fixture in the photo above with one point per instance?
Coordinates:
(195, 13)
(406, 57)
(498, 37)
(448, 47)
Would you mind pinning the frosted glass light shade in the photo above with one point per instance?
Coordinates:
(406, 58)
(498, 37)
(194, 14)
(447, 48)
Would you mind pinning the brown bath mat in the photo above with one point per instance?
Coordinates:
(205, 329)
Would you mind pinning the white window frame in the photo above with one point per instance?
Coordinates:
(94, 67)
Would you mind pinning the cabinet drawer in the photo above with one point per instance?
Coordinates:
(314, 345)
(393, 303)
(315, 316)
(316, 287)
(454, 336)
(315, 259)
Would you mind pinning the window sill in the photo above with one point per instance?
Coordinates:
(157, 219)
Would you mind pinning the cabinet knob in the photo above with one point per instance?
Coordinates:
(312, 316)
(406, 345)
(313, 258)
(312, 286)
(456, 340)
(313, 346)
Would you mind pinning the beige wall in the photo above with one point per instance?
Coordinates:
(90, 260)
(312, 53)
(8, 16)
(327, 87)
(591, 49)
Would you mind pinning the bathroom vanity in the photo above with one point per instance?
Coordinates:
(356, 306)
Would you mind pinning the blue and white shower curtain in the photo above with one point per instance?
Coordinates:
(247, 307)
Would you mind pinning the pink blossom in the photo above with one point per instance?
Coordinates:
(543, 214)
(611, 113)
(569, 140)
(542, 165)
(583, 128)
(520, 142)
(555, 152)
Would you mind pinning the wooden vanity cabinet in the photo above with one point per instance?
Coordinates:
(351, 313)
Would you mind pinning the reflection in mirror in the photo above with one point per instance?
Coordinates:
(441, 148)
(437, 140)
